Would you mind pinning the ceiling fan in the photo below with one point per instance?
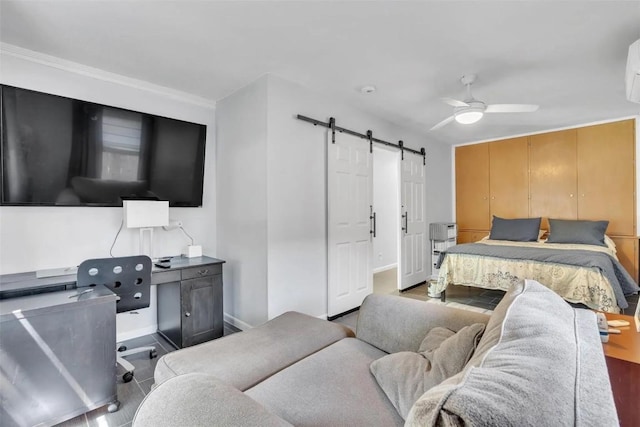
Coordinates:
(471, 110)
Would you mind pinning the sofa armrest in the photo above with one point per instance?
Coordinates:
(392, 323)
(201, 400)
(244, 359)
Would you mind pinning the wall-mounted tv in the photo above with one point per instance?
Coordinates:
(58, 151)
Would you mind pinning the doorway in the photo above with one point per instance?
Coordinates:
(386, 203)
(365, 237)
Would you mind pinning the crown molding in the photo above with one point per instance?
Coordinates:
(98, 74)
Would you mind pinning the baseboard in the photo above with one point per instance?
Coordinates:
(322, 316)
(124, 336)
(243, 326)
(385, 268)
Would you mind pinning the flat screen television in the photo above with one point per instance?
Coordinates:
(59, 151)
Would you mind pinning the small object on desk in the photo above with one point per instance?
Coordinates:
(603, 327)
(160, 265)
(617, 323)
(167, 259)
(614, 331)
(192, 251)
(53, 272)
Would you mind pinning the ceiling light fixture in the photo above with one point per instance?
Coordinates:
(468, 115)
(368, 89)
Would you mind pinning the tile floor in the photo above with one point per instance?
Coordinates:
(131, 394)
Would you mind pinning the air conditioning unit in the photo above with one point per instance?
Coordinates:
(633, 72)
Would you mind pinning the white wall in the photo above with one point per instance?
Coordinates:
(276, 258)
(386, 193)
(35, 238)
(242, 203)
(297, 265)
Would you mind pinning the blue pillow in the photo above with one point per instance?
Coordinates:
(577, 231)
(517, 229)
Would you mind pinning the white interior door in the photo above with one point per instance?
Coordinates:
(350, 196)
(413, 236)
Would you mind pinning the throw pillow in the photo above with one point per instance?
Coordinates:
(577, 231)
(405, 376)
(517, 229)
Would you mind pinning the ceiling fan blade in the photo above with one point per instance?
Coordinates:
(442, 123)
(511, 108)
(454, 102)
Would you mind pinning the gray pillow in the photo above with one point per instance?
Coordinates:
(405, 376)
(577, 231)
(517, 229)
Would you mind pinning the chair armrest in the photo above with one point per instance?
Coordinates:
(392, 323)
(201, 400)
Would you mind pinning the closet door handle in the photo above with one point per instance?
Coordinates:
(373, 218)
(405, 216)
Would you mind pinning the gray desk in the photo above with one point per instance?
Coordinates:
(22, 284)
(57, 356)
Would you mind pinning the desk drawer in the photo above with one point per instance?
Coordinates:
(159, 277)
(201, 271)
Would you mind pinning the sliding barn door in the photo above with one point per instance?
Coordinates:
(413, 236)
(350, 196)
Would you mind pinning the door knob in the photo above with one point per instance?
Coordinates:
(187, 314)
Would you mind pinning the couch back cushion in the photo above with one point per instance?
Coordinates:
(539, 362)
(393, 323)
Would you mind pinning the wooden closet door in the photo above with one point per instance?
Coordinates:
(606, 175)
(472, 187)
(471, 236)
(509, 178)
(553, 177)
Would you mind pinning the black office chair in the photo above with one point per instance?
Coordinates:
(130, 279)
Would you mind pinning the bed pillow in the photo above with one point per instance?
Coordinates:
(518, 229)
(405, 376)
(577, 231)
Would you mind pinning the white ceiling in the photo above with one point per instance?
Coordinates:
(567, 56)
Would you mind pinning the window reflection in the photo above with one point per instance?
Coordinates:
(121, 145)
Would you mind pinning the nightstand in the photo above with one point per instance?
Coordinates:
(622, 354)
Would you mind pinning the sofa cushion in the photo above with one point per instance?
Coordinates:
(243, 360)
(405, 376)
(179, 402)
(394, 323)
(529, 369)
(332, 387)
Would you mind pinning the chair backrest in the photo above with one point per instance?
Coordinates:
(128, 277)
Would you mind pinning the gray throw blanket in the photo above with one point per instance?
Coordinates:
(620, 280)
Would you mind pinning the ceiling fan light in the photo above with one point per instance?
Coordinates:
(468, 117)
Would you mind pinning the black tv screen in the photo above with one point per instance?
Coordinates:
(59, 151)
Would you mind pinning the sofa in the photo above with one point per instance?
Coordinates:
(535, 361)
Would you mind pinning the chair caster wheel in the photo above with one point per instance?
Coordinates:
(122, 348)
(113, 406)
(127, 377)
(153, 354)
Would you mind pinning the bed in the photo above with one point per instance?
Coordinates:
(584, 273)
